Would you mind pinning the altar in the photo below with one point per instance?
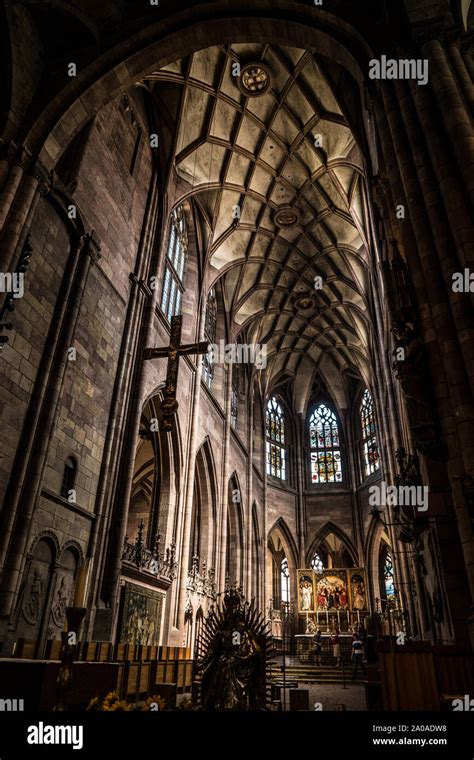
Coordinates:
(305, 646)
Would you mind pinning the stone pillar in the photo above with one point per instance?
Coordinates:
(453, 389)
(250, 543)
(13, 177)
(221, 525)
(435, 284)
(434, 219)
(456, 119)
(121, 394)
(87, 253)
(301, 527)
(183, 560)
(20, 210)
(463, 75)
(466, 53)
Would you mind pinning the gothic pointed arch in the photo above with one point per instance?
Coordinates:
(156, 478)
(235, 541)
(325, 445)
(281, 530)
(282, 563)
(205, 498)
(333, 546)
(369, 436)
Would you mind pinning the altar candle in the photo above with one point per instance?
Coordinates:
(348, 619)
(327, 617)
(317, 618)
(338, 620)
(358, 616)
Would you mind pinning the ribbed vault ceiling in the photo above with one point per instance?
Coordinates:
(259, 153)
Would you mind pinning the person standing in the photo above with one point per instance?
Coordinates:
(357, 656)
(336, 647)
(318, 645)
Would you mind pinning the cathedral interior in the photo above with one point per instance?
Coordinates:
(232, 190)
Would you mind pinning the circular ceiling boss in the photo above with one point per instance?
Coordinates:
(286, 216)
(304, 302)
(255, 79)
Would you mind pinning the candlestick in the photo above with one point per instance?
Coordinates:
(327, 617)
(317, 618)
(338, 620)
(358, 616)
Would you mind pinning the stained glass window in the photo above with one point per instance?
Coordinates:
(326, 463)
(285, 581)
(173, 282)
(275, 423)
(210, 336)
(317, 564)
(370, 449)
(388, 576)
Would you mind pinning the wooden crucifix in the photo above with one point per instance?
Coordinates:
(169, 405)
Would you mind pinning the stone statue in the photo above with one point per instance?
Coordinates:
(411, 369)
(410, 361)
(232, 652)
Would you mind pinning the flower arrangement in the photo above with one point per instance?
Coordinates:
(110, 703)
(113, 703)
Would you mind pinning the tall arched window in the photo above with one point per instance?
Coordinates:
(276, 454)
(326, 464)
(317, 563)
(173, 282)
(69, 478)
(370, 450)
(388, 578)
(285, 581)
(210, 336)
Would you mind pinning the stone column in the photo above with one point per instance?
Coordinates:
(250, 543)
(299, 449)
(13, 569)
(453, 389)
(466, 53)
(435, 283)
(435, 220)
(187, 510)
(20, 210)
(456, 119)
(463, 75)
(121, 394)
(13, 175)
(221, 526)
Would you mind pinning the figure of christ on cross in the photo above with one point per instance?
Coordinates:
(169, 405)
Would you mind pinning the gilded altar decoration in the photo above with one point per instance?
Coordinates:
(306, 591)
(358, 590)
(331, 591)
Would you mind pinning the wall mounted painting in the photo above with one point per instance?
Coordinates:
(141, 616)
(331, 591)
(358, 590)
(306, 595)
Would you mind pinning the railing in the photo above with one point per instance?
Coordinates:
(156, 562)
